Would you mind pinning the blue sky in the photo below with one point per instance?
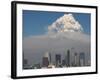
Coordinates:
(36, 22)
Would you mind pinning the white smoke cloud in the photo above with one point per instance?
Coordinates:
(66, 23)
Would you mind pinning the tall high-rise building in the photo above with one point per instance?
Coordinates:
(58, 60)
(67, 58)
(45, 61)
(50, 58)
(76, 59)
(82, 59)
(25, 63)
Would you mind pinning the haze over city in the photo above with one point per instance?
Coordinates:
(48, 34)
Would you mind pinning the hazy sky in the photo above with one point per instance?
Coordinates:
(35, 25)
(37, 22)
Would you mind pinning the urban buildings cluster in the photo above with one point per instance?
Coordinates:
(69, 60)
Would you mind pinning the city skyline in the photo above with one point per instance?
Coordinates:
(55, 32)
(60, 62)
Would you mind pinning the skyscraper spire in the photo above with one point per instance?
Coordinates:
(50, 58)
